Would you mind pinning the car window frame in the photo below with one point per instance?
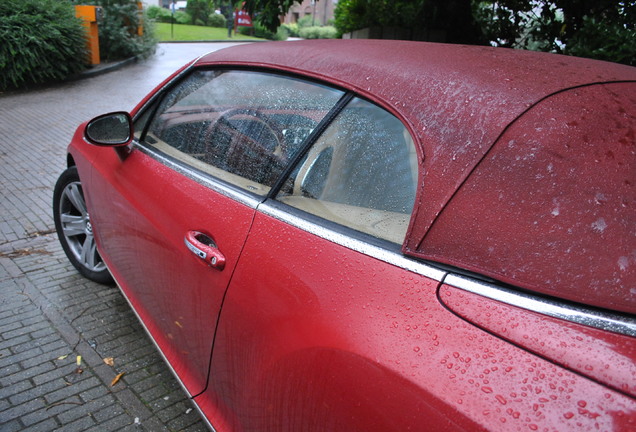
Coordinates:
(155, 101)
(268, 200)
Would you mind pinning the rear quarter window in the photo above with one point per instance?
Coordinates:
(361, 173)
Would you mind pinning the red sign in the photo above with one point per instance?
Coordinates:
(242, 19)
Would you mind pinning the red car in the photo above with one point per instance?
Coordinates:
(374, 235)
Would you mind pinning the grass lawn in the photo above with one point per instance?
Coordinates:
(194, 33)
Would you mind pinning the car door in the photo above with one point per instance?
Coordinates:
(330, 335)
(174, 214)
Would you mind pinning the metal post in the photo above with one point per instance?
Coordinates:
(172, 20)
(313, 14)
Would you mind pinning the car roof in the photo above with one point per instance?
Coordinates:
(456, 100)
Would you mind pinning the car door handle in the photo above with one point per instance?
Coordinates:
(205, 248)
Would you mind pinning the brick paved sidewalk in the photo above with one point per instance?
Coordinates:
(49, 314)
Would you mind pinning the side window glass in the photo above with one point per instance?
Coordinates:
(239, 126)
(361, 173)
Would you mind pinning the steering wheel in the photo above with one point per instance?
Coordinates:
(270, 138)
(247, 143)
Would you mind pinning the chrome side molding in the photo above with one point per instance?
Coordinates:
(353, 243)
(202, 179)
(603, 320)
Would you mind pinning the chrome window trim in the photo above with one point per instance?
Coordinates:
(202, 179)
(352, 243)
(160, 92)
(614, 323)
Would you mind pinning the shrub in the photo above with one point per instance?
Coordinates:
(217, 20)
(118, 36)
(199, 10)
(292, 29)
(327, 32)
(153, 12)
(181, 17)
(281, 34)
(261, 32)
(258, 31)
(604, 41)
(41, 41)
(159, 14)
(306, 21)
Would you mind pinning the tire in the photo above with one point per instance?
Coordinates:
(74, 229)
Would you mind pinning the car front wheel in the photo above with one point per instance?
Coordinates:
(74, 229)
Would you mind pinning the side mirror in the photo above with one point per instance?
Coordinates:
(113, 129)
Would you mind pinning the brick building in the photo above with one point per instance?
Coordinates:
(321, 10)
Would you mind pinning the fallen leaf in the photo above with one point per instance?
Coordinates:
(79, 370)
(109, 361)
(62, 357)
(117, 378)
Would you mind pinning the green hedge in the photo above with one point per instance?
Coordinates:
(326, 32)
(159, 14)
(260, 31)
(217, 20)
(181, 17)
(292, 29)
(42, 41)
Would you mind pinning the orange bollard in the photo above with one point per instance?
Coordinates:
(90, 15)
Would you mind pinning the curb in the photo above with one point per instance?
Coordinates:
(109, 67)
(105, 68)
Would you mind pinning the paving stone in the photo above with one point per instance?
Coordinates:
(47, 425)
(23, 409)
(7, 326)
(47, 309)
(108, 412)
(21, 357)
(17, 388)
(11, 426)
(8, 371)
(13, 342)
(173, 411)
(38, 416)
(80, 424)
(71, 390)
(36, 392)
(183, 422)
(86, 409)
(59, 371)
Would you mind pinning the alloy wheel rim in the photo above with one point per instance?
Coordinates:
(77, 229)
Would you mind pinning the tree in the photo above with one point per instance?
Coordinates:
(452, 17)
(199, 10)
(603, 29)
(268, 12)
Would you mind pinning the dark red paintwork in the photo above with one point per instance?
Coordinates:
(551, 208)
(457, 101)
(297, 332)
(570, 344)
